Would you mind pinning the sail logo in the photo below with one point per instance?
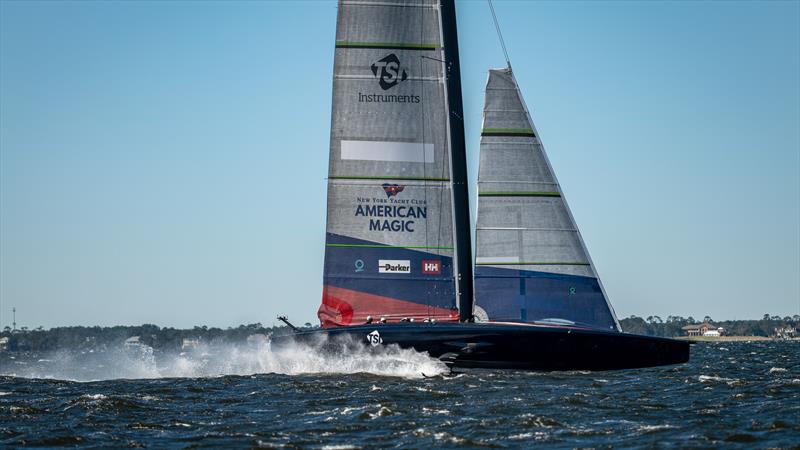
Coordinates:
(394, 266)
(392, 189)
(431, 267)
(388, 71)
(359, 265)
(374, 338)
(400, 217)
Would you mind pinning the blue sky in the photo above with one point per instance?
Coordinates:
(165, 162)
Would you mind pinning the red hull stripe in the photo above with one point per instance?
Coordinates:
(342, 307)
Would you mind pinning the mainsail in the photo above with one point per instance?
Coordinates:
(390, 233)
(531, 263)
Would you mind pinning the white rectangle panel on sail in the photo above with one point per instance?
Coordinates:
(387, 151)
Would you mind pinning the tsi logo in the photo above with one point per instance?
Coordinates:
(431, 266)
(394, 266)
(388, 71)
(374, 339)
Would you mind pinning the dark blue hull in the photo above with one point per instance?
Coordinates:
(509, 346)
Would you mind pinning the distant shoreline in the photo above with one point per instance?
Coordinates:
(730, 338)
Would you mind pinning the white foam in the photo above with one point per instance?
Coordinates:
(94, 396)
(708, 378)
(226, 359)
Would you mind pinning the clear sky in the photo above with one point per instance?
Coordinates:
(165, 162)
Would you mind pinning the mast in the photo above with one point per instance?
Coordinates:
(458, 162)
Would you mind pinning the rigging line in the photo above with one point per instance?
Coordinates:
(433, 59)
(499, 34)
(422, 129)
(444, 156)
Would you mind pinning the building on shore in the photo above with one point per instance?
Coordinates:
(787, 332)
(703, 329)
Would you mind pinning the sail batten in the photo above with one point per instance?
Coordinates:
(531, 263)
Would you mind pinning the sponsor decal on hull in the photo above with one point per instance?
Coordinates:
(374, 338)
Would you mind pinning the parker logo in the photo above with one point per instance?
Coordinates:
(394, 266)
(431, 266)
(392, 189)
(388, 71)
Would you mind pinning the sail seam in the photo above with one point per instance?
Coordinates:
(507, 132)
(395, 5)
(433, 247)
(525, 143)
(386, 45)
(517, 182)
(387, 178)
(528, 263)
(519, 194)
(366, 77)
(526, 229)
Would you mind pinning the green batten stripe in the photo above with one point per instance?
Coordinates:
(507, 132)
(387, 246)
(386, 45)
(390, 178)
(531, 264)
(519, 194)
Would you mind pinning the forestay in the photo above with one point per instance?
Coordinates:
(389, 243)
(531, 263)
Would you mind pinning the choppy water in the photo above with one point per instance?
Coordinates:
(733, 394)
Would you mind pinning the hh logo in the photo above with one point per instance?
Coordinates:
(374, 339)
(388, 71)
(431, 266)
(392, 189)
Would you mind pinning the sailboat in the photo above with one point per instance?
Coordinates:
(398, 254)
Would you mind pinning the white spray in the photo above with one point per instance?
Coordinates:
(211, 360)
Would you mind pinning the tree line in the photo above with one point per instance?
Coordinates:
(672, 326)
(165, 339)
(171, 339)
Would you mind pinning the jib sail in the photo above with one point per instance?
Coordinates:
(389, 244)
(531, 264)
